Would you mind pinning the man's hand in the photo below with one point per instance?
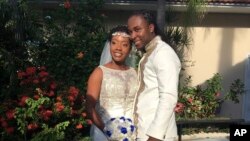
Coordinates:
(153, 139)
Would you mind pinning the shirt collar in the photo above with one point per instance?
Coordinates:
(152, 44)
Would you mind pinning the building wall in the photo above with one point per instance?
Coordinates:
(220, 44)
(221, 50)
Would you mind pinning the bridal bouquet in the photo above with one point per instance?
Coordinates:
(120, 129)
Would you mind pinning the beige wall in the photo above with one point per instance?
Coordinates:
(221, 44)
(220, 50)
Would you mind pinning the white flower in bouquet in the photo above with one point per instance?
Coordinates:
(120, 129)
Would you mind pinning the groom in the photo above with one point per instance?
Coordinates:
(158, 74)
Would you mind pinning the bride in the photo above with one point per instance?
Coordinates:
(112, 85)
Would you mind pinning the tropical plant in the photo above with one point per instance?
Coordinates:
(180, 36)
(17, 24)
(71, 43)
(68, 40)
(63, 39)
(236, 89)
(198, 102)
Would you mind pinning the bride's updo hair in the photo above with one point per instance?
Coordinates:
(119, 30)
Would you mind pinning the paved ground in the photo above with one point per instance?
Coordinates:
(206, 137)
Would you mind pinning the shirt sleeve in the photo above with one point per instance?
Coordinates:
(167, 67)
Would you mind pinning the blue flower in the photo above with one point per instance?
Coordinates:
(129, 119)
(124, 130)
(108, 133)
(112, 119)
(132, 128)
(123, 118)
(125, 139)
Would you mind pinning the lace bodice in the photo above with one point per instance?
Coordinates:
(117, 93)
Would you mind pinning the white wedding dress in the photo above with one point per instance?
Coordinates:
(116, 99)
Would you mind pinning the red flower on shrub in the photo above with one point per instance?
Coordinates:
(84, 114)
(46, 114)
(9, 130)
(44, 79)
(10, 114)
(59, 99)
(71, 98)
(79, 126)
(217, 94)
(73, 91)
(35, 81)
(30, 70)
(179, 107)
(23, 101)
(52, 85)
(59, 106)
(67, 4)
(21, 74)
(36, 97)
(32, 126)
(80, 55)
(42, 68)
(43, 74)
(4, 123)
(73, 112)
(51, 93)
(41, 108)
(190, 100)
